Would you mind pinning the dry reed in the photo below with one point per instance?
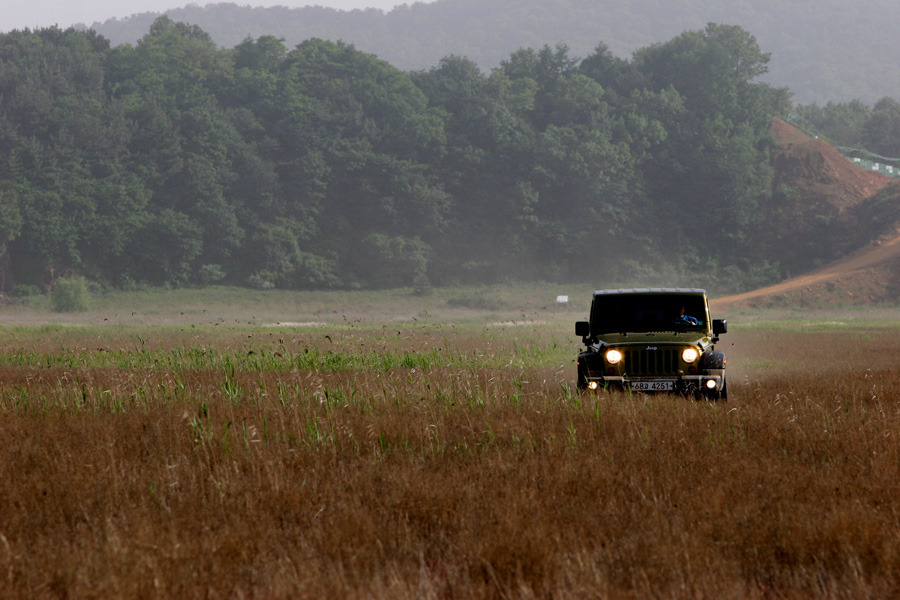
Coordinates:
(468, 475)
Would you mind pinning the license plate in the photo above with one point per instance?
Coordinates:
(652, 386)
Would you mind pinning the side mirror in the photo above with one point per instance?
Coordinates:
(582, 328)
(720, 326)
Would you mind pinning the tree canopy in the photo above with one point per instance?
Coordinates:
(174, 161)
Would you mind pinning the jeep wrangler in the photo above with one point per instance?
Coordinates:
(652, 340)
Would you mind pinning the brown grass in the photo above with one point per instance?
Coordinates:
(474, 480)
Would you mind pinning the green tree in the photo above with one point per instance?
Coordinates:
(372, 130)
(713, 169)
(484, 169)
(65, 161)
(164, 250)
(548, 68)
(842, 123)
(70, 294)
(882, 128)
(390, 261)
(10, 229)
(170, 84)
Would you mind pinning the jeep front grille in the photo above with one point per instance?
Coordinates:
(643, 362)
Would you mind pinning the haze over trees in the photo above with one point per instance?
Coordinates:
(175, 161)
(824, 50)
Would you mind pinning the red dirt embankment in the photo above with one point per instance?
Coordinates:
(828, 184)
(817, 169)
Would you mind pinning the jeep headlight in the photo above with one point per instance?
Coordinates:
(613, 357)
(689, 355)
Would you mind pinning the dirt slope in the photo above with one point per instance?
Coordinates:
(868, 276)
(819, 171)
(828, 185)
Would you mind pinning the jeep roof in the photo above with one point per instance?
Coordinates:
(651, 290)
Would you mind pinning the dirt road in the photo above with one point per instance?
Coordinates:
(871, 256)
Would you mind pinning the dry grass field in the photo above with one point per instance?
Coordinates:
(441, 460)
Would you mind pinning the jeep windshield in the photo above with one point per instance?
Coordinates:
(644, 313)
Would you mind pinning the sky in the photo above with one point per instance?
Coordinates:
(19, 14)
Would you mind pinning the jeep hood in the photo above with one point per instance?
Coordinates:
(656, 337)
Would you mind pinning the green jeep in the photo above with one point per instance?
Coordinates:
(652, 340)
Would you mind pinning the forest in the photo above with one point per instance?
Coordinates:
(176, 162)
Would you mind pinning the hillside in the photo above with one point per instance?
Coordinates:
(819, 171)
(828, 50)
(869, 276)
(831, 187)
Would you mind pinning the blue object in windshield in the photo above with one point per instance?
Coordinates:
(685, 319)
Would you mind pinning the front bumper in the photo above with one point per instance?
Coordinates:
(704, 384)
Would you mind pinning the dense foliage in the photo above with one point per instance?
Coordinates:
(856, 125)
(176, 162)
(824, 50)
